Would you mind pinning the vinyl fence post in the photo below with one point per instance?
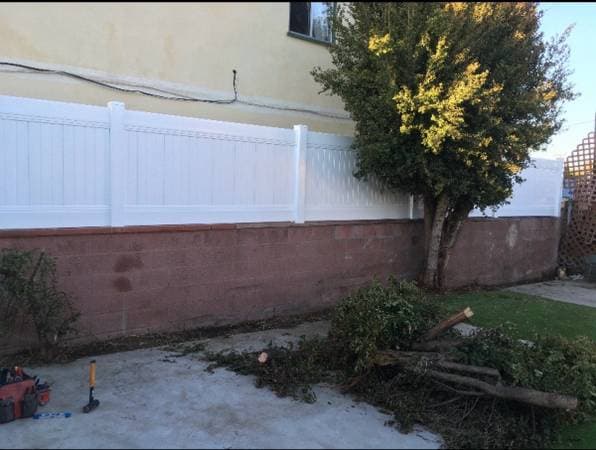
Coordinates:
(301, 133)
(117, 164)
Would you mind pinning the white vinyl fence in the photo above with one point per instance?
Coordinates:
(539, 195)
(73, 165)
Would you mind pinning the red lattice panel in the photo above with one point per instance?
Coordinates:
(579, 239)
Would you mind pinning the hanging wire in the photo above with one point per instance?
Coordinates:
(121, 89)
(171, 95)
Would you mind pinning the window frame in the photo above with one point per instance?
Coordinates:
(309, 37)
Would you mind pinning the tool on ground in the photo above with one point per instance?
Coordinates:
(52, 415)
(43, 393)
(19, 394)
(93, 402)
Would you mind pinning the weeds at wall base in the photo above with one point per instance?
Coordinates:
(66, 354)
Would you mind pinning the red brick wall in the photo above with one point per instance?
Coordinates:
(503, 251)
(135, 279)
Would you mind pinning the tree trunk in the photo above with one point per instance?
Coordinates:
(429, 216)
(451, 230)
(431, 278)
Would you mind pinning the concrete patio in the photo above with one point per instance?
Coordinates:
(150, 399)
(578, 292)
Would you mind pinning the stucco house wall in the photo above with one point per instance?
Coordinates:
(189, 47)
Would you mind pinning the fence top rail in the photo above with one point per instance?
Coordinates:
(171, 124)
(555, 165)
(35, 110)
(327, 140)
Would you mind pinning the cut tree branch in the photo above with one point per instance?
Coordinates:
(476, 370)
(442, 345)
(524, 395)
(415, 361)
(393, 357)
(447, 324)
(396, 357)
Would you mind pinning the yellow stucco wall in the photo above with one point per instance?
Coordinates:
(193, 44)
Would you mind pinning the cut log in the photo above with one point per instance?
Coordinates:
(394, 357)
(442, 345)
(476, 370)
(447, 324)
(524, 395)
(411, 360)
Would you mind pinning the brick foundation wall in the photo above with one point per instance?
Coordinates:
(492, 252)
(136, 279)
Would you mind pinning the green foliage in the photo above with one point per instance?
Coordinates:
(289, 371)
(551, 363)
(380, 317)
(448, 98)
(30, 297)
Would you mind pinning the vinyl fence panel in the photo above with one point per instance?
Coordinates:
(73, 165)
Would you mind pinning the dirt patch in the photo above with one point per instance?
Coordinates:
(127, 343)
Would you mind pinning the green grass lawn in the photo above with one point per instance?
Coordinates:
(528, 313)
(531, 315)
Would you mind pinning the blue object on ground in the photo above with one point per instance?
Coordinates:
(52, 415)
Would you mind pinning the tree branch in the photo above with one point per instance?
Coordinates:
(447, 324)
(524, 395)
(438, 345)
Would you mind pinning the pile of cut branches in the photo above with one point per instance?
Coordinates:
(433, 358)
(389, 346)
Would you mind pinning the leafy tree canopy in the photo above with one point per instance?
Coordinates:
(448, 99)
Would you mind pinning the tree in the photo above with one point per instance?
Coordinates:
(448, 100)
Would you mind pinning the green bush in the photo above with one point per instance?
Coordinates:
(30, 297)
(380, 317)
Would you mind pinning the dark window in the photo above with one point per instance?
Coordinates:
(299, 17)
(311, 19)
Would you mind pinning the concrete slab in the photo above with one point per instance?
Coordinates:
(148, 402)
(578, 292)
(465, 329)
(253, 342)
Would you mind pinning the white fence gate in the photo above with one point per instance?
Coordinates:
(73, 165)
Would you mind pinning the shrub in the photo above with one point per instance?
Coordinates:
(381, 317)
(29, 296)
